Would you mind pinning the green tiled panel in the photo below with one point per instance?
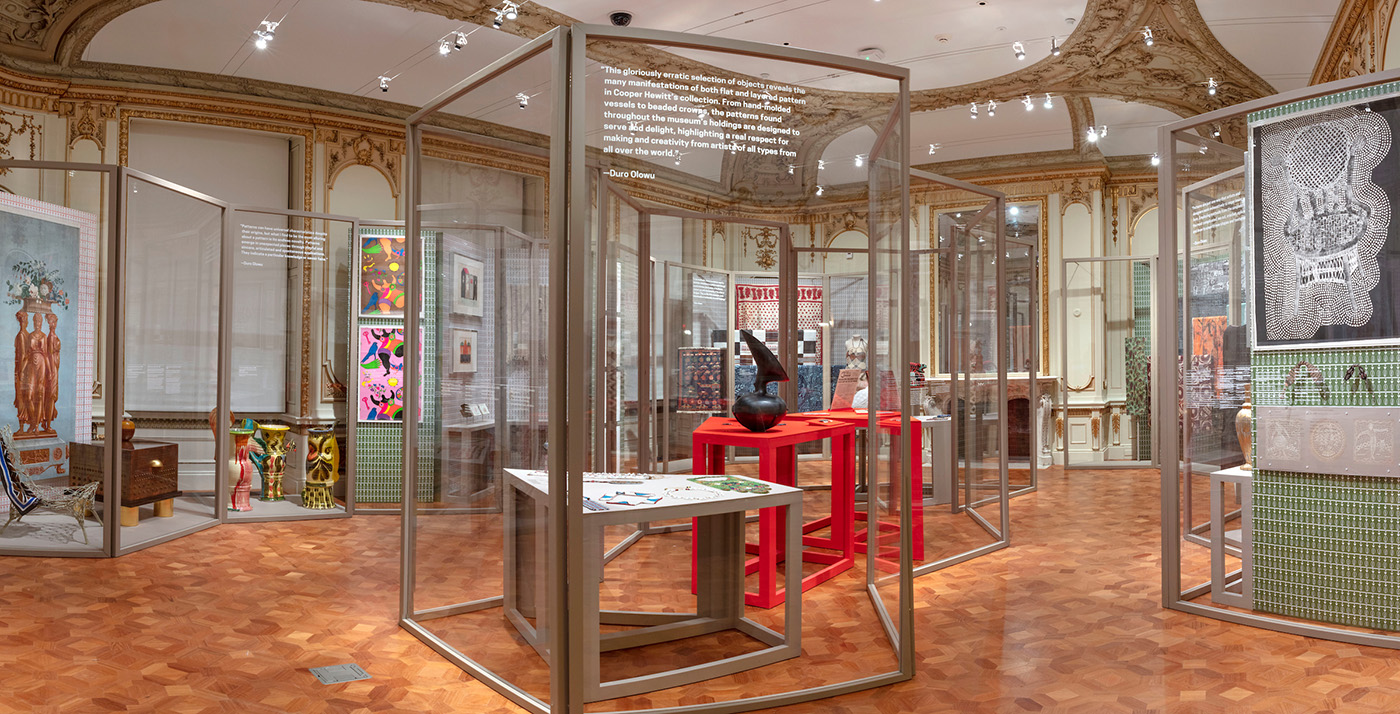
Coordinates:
(1327, 547)
(1327, 101)
(1142, 327)
(379, 445)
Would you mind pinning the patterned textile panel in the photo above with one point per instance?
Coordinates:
(702, 381)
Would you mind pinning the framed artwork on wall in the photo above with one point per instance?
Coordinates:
(382, 275)
(1325, 183)
(464, 354)
(381, 374)
(467, 285)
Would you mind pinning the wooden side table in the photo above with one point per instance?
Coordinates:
(777, 463)
(150, 474)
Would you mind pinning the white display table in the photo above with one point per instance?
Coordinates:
(1236, 589)
(720, 597)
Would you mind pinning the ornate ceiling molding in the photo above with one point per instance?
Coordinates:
(1355, 44)
(1102, 57)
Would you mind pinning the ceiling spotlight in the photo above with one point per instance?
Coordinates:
(500, 20)
(444, 48)
(1049, 103)
(1054, 47)
(1014, 210)
(1212, 86)
(992, 108)
(384, 83)
(1215, 131)
(264, 34)
(932, 149)
(1366, 108)
(1156, 160)
(1095, 133)
(860, 160)
(974, 110)
(461, 40)
(1202, 148)
(821, 164)
(820, 189)
(1026, 100)
(791, 169)
(1019, 49)
(1147, 36)
(524, 99)
(511, 10)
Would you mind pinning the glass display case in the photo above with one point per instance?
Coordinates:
(148, 309)
(565, 595)
(1278, 476)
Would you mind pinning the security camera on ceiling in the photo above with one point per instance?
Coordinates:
(621, 18)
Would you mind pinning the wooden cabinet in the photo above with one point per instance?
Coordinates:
(150, 474)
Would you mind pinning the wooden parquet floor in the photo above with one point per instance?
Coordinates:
(1067, 620)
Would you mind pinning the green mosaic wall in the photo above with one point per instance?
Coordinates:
(1142, 327)
(1327, 547)
(379, 445)
(1354, 95)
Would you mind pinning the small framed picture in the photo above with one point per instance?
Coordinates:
(464, 354)
(467, 286)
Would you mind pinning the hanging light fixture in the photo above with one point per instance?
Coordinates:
(1019, 49)
(1147, 36)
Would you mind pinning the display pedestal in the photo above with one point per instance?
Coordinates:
(40, 455)
(719, 603)
(1236, 588)
(777, 463)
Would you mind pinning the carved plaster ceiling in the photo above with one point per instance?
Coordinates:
(328, 52)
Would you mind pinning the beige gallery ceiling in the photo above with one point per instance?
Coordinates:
(957, 51)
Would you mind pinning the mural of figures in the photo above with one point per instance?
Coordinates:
(381, 374)
(48, 259)
(1323, 220)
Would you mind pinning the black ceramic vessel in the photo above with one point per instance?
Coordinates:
(758, 410)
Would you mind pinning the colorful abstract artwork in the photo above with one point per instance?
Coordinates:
(702, 381)
(381, 351)
(382, 275)
(1208, 338)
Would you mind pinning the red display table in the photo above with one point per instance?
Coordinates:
(889, 422)
(777, 463)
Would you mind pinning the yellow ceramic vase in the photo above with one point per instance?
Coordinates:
(322, 468)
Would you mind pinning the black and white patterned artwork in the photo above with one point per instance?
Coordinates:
(1322, 221)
